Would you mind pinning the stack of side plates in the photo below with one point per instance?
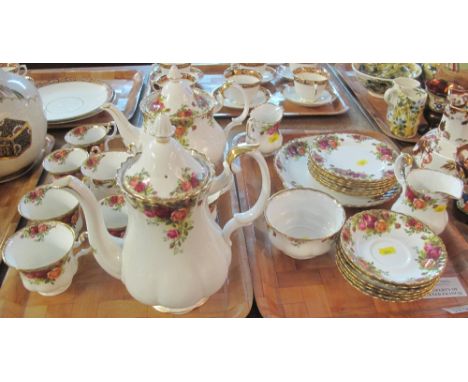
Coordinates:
(390, 256)
(353, 164)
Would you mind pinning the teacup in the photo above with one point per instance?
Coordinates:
(114, 211)
(293, 67)
(309, 83)
(21, 70)
(183, 68)
(91, 137)
(257, 67)
(249, 80)
(160, 81)
(44, 256)
(45, 203)
(100, 170)
(263, 128)
(302, 222)
(64, 162)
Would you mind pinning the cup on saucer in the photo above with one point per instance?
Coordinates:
(257, 67)
(293, 67)
(310, 83)
(65, 161)
(46, 203)
(183, 68)
(248, 79)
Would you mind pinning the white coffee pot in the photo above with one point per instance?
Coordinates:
(191, 111)
(174, 255)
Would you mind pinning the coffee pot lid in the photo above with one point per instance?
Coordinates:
(165, 171)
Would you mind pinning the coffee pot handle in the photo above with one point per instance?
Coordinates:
(245, 112)
(402, 166)
(242, 219)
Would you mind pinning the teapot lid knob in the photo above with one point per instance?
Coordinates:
(174, 73)
(163, 128)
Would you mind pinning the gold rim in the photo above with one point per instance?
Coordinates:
(230, 72)
(344, 183)
(296, 239)
(19, 232)
(202, 160)
(179, 66)
(318, 71)
(159, 82)
(383, 296)
(107, 127)
(370, 280)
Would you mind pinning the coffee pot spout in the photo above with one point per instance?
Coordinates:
(130, 134)
(106, 249)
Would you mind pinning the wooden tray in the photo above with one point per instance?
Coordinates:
(375, 107)
(11, 192)
(285, 287)
(94, 293)
(127, 85)
(213, 78)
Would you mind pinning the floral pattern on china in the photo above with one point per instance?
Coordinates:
(80, 132)
(37, 232)
(116, 202)
(92, 162)
(60, 156)
(353, 156)
(393, 247)
(36, 196)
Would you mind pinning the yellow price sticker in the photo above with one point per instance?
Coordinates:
(387, 251)
(361, 162)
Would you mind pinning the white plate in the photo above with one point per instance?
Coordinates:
(73, 100)
(262, 97)
(354, 157)
(289, 93)
(285, 72)
(393, 247)
(291, 166)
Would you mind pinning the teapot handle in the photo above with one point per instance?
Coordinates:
(245, 112)
(403, 165)
(242, 219)
(388, 95)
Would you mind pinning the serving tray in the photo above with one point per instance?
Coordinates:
(213, 78)
(94, 293)
(284, 287)
(375, 107)
(127, 86)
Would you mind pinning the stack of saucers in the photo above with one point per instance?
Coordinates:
(353, 164)
(390, 256)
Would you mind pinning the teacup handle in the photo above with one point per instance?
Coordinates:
(81, 239)
(245, 112)
(403, 165)
(242, 219)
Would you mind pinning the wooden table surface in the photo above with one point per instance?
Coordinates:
(355, 117)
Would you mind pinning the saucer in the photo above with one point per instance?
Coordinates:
(291, 165)
(284, 72)
(289, 93)
(263, 95)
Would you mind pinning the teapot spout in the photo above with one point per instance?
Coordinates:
(106, 249)
(130, 133)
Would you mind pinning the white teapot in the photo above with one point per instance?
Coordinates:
(174, 255)
(191, 111)
(23, 125)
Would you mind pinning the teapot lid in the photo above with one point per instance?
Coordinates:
(178, 98)
(165, 172)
